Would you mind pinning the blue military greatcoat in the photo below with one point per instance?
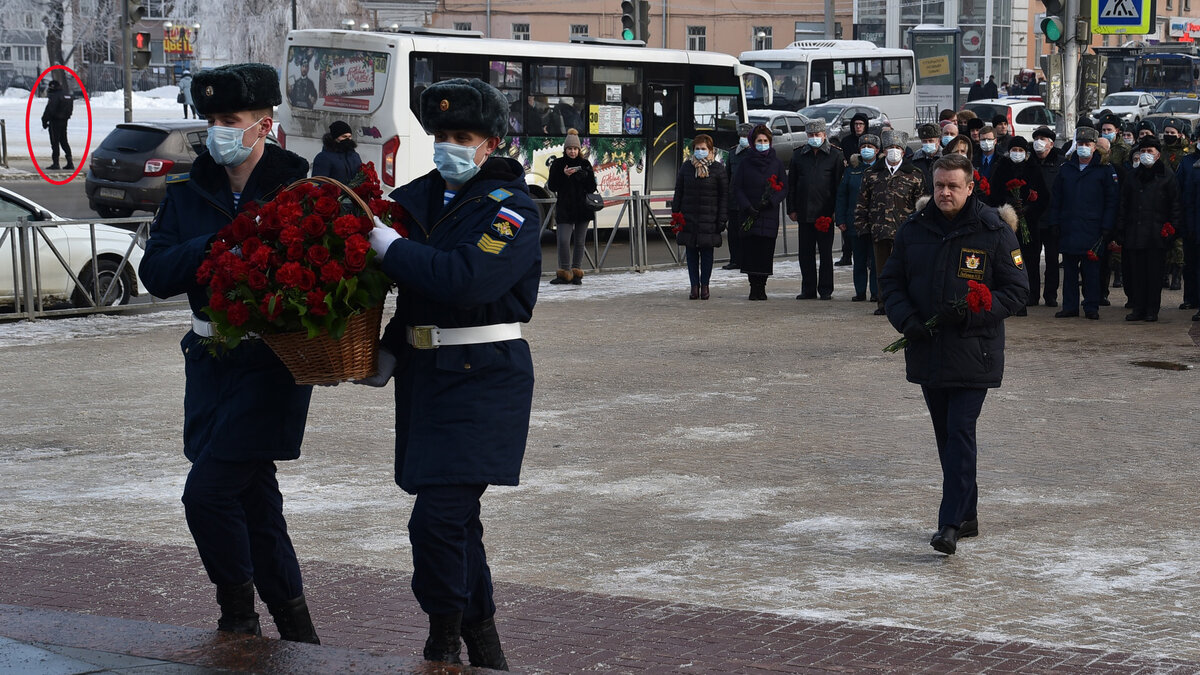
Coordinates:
(243, 405)
(462, 412)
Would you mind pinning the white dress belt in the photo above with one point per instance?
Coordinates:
(205, 329)
(432, 337)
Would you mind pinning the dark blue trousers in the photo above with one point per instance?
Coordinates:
(1191, 270)
(863, 258)
(699, 264)
(450, 570)
(954, 412)
(235, 513)
(1073, 265)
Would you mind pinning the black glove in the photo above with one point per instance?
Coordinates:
(45, 124)
(951, 315)
(915, 331)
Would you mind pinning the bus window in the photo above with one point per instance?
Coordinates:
(715, 111)
(345, 80)
(614, 92)
(506, 76)
(562, 89)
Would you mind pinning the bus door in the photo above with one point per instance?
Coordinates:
(663, 155)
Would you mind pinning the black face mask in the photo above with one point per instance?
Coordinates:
(1170, 139)
(346, 145)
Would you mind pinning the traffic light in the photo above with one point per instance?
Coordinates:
(141, 49)
(135, 10)
(1052, 24)
(629, 20)
(643, 20)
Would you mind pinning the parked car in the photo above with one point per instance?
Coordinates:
(1024, 114)
(787, 130)
(128, 171)
(74, 243)
(837, 117)
(1178, 104)
(1130, 106)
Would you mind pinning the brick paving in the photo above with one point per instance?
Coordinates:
(714, 486)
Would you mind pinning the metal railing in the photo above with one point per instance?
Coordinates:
(26, 240)
(645, 223)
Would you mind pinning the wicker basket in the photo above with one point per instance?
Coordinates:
(324, 360)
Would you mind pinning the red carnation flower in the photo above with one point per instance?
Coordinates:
(317, 255)
(1015, 184)
(271, 306)
(1091, 255)
(823, 224)
(1032, 196)
(238, 313)
(261, 258)
(291, 235)
(289, 275)
(1168, 230)
(677, 222)
(219, 302)
(256, 280)
(332, 272)
(344, 226)
(205, 271)
(242, 227)
(979, 297)
(295, 251)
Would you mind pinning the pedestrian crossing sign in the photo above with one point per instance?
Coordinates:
(1124, 17)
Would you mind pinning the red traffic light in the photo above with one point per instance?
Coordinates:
(141, 41)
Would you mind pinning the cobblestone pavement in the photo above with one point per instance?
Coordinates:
(706, 484)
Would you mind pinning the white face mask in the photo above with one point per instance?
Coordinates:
(986, 145)
(894, 155)
(1146, 159)
(1084, 152)
(1039, 145)
(1017, 156)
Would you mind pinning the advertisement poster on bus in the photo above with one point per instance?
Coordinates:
(938, 67)
(336, 79)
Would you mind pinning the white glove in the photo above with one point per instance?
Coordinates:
(382, 238)
(385, 364)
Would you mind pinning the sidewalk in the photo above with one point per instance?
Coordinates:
(715, 486)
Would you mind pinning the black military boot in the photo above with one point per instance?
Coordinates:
(237, 609)
(443, 643)
(294, 622)
(483, 645)
(1176, 277)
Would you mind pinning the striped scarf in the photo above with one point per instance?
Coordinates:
(701, 166)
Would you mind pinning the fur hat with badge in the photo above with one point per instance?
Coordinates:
(236, 87)
(1086, 134)
(928, 131)
(1148, 142)
(816, 126)
(868, 139)
(470, 105)
(894, 139)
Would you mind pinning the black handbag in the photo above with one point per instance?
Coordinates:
(179, 98)
(594, 201)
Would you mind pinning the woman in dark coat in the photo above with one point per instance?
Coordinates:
(571, 179)
(752, 183)
(700, 193)
(338, 160)
(1029, 201)
(1149, 201)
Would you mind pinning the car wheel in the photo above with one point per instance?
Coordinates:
(114, 290)
(113, 211)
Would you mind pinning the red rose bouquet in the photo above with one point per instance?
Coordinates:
(984, 186)
(773, 185)
(1168, 231)
(823, 224)
(676, 222)
(1093, 253)
(299, 263)
(1014, 188)
(979, 299)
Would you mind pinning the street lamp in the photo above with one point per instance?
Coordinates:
(364, 26)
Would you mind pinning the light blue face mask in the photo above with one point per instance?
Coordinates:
(455, 162)
(743, 142)
(700, 154)
(225, 144)
(1111, 136)
(929, 148)
(946, 140)
(868, 154)
(762, 147)
(1083, 152)
(815, 141)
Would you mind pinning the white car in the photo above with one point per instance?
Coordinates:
(118, 281)
(1024, 114)
(1130, 106)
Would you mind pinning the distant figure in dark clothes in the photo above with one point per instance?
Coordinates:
(338, 160)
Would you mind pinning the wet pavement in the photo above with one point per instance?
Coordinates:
(715, 486)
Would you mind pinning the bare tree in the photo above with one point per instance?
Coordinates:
(253, 30)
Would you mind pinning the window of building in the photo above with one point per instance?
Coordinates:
(157, 9)
(762, 37)
(462, 25)
(578, 29)
(697, 38)
(1169, 4)
(5, 53)
(29, 53)
(520, 31)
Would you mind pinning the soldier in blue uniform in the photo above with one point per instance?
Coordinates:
(946, 244)
(242, 410)
(468, 278)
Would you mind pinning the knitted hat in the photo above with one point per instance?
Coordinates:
(975, 123)
(816, 126)
(339, 128)
(868, 139)
(860, 117)
(1018, 142)
(236, 87)
(471, 105)
(572, 140)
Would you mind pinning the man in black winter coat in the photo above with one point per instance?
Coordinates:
(943, 247)
(59, 106)
(813, 179)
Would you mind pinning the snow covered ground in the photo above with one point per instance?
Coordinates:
(107, 111)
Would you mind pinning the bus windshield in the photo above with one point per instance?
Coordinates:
(1169, 75)
(789, 80)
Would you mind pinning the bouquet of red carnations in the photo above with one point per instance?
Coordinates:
(773, 185)
(301, 266)
(979, 299)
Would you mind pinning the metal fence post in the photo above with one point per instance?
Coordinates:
(4, 143)
(26, 269)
